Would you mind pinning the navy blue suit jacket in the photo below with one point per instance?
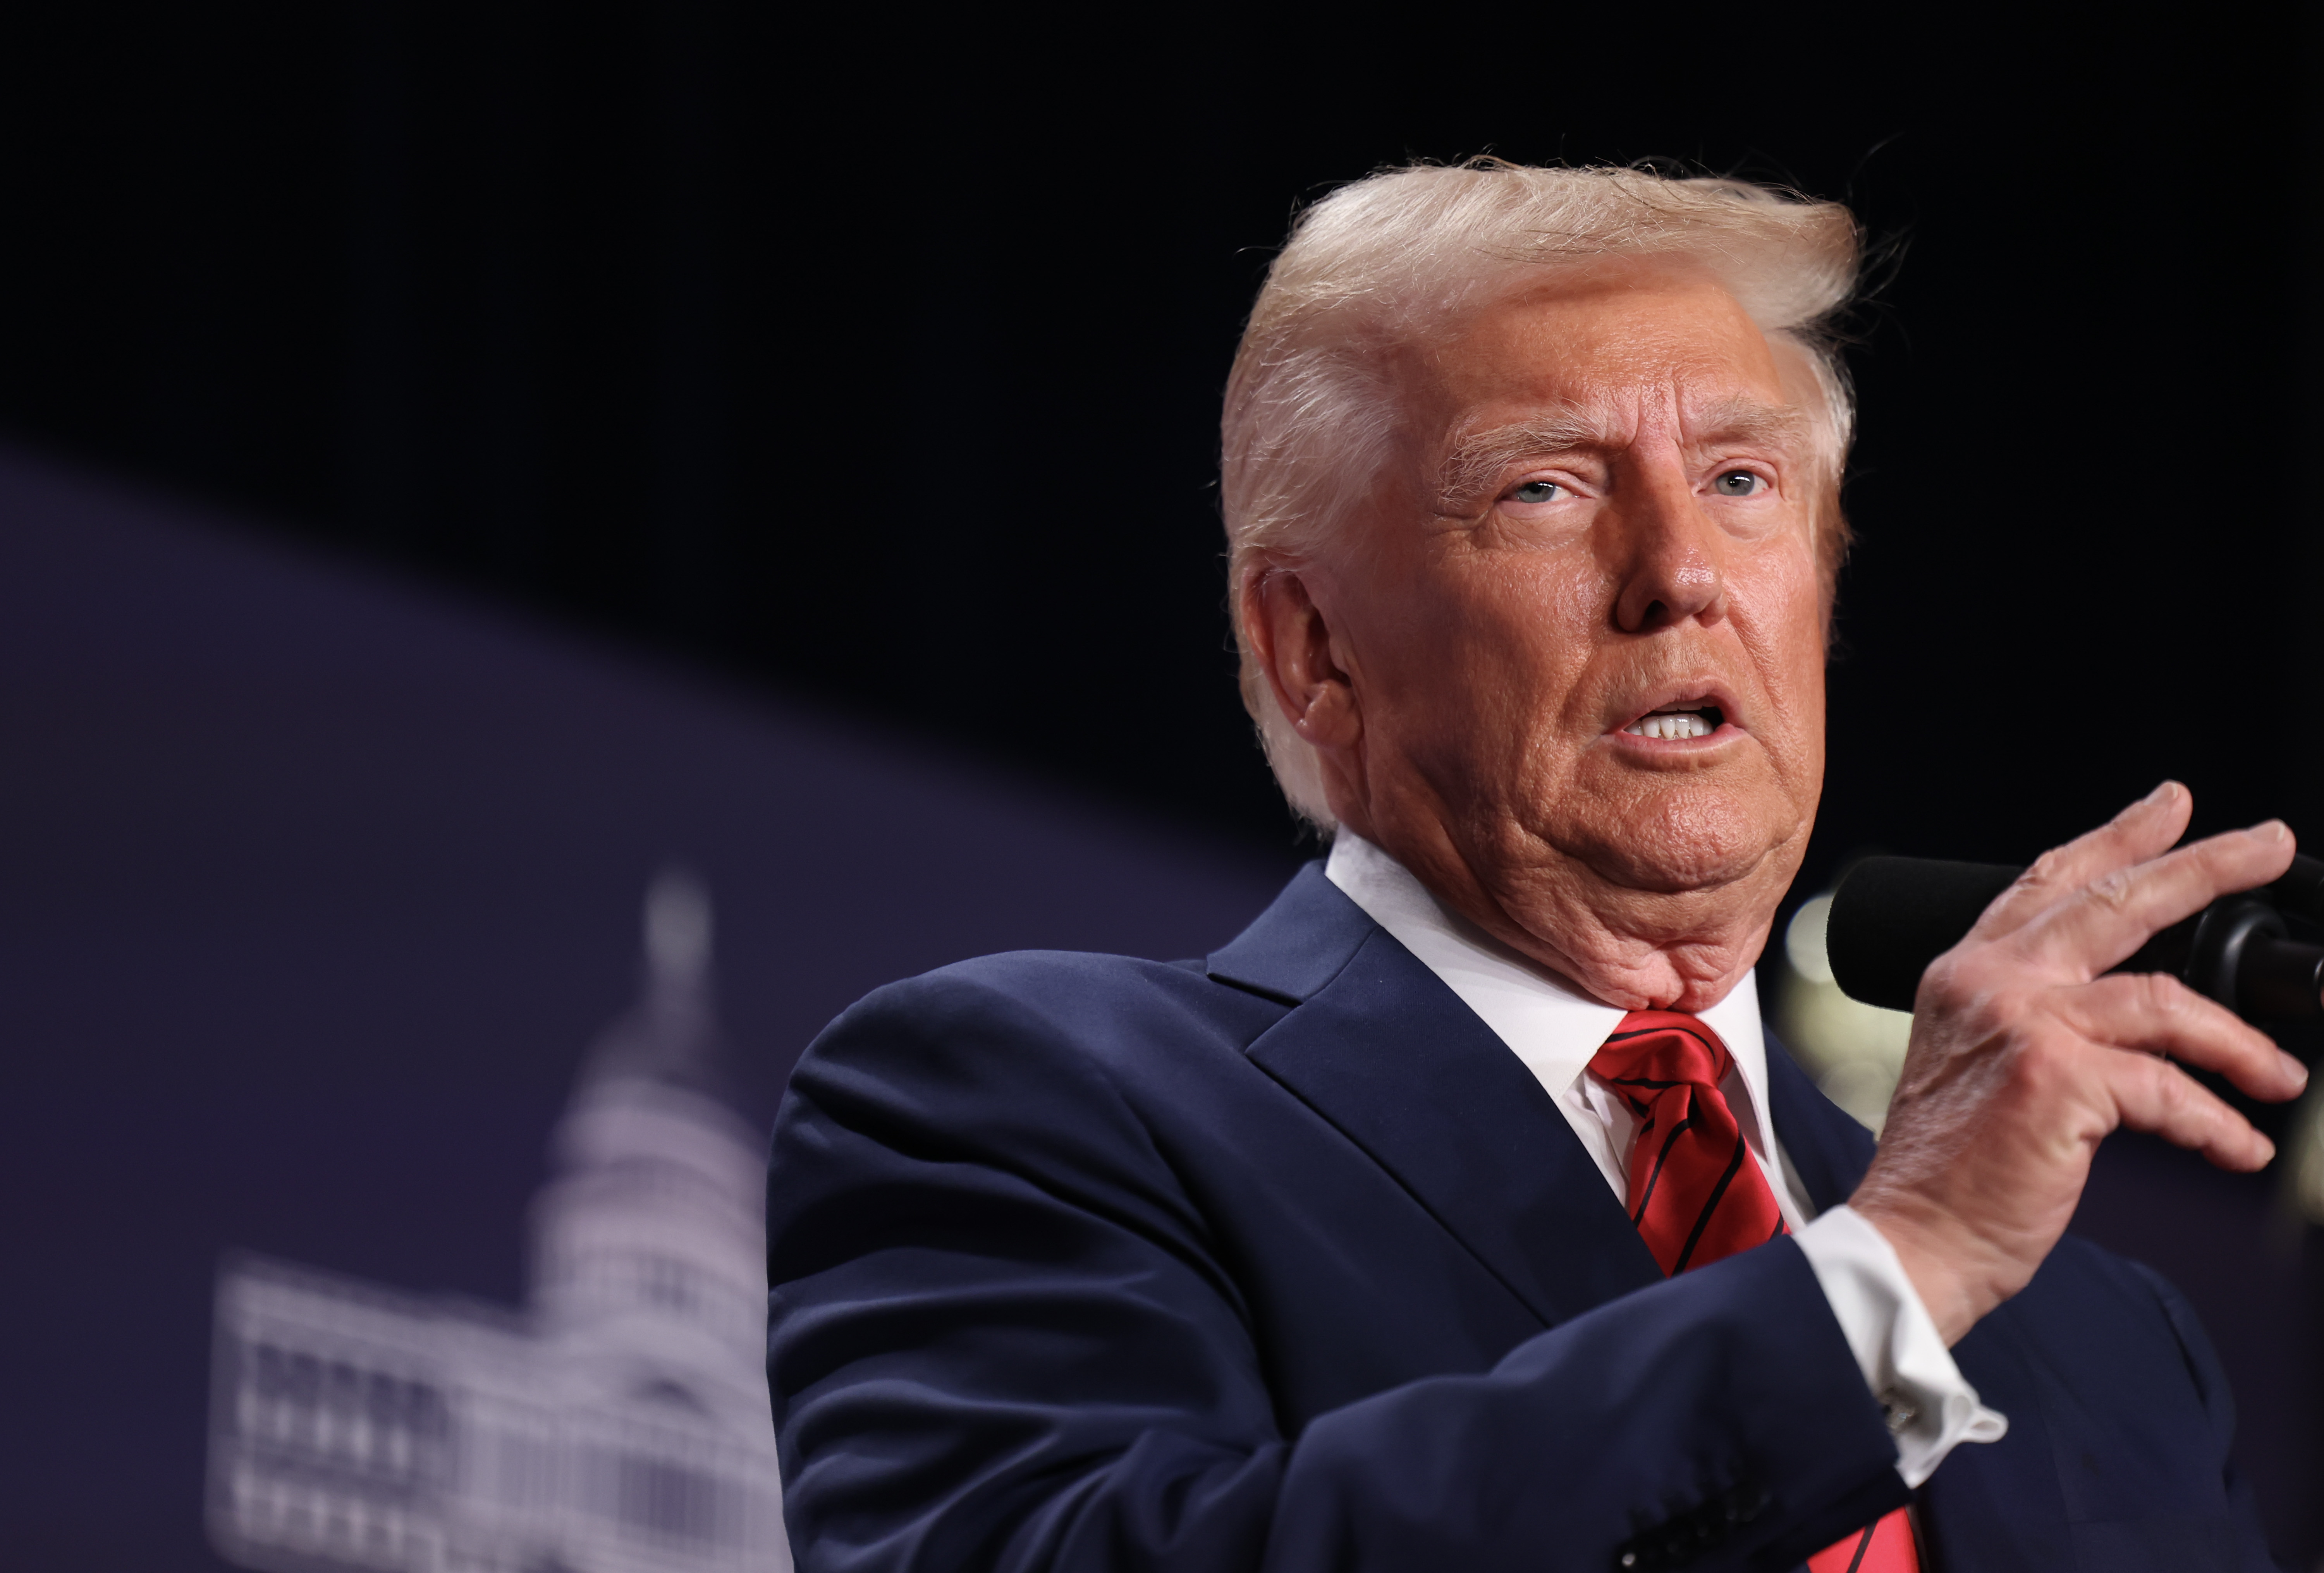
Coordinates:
(1282, 1261)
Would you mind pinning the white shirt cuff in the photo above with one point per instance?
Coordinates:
(1931, 1408)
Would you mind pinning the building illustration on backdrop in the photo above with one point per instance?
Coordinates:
(617, 1424)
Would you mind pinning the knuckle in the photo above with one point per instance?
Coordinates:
(2114, 890)
(1958, 979)
(2047, 1057)
(2182, 1104)
(2020, 1042)
(2160, 994)
(1941, 981)
(1976, 990)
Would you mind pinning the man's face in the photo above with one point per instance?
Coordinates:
(1583, 625)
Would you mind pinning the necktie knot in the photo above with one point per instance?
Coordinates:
(1654, 1051)
(1693, 1192)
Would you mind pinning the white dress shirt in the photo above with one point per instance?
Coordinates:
(1556, 1029)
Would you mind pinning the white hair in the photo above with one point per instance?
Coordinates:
(1312, 406)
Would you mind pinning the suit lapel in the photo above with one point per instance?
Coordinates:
(1381, 1048)
(1829, 1151)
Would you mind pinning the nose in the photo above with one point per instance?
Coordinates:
(1667, 552)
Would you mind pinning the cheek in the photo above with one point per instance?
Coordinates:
(1780, 616)
(1525, 648)
(1472, 698)
(1533, 620)
(1492, 636)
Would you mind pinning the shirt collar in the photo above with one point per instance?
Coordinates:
(1547, 1021)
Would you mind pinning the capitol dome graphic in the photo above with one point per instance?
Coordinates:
(617, 1423)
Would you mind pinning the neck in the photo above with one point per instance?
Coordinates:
(1684, 950)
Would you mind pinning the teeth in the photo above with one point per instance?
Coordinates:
(1685, 724)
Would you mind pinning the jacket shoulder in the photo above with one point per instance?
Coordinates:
(1089, 1004)
(1007, 1056)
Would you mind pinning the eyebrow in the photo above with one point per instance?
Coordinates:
(1479, 458)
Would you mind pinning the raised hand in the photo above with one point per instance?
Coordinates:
(2025, 1054)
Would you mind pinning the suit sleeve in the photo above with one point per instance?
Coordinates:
(1001, 1337)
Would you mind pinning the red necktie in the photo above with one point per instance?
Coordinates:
(1696, 1194)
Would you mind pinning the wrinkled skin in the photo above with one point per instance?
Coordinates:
(1603, 502)
(1465, 664)
(2024, 1055)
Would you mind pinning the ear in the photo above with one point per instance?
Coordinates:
(1295, 647)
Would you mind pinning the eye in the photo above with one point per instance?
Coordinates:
(1739, 484)
(1537, 492)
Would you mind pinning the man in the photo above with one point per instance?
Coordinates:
(1459, 1215)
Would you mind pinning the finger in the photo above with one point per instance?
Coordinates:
(2154, 1013)
(2154, 1095)
(2146, 829)
(2104, 922)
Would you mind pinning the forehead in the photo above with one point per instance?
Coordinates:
(1628, 337)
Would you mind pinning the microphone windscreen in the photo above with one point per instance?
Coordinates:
(1892, 916)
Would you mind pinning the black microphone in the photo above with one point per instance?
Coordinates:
(1892, 916)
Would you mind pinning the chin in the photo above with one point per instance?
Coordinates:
(1682, 840)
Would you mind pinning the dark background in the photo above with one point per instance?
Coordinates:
(872, 361)
(880, 359)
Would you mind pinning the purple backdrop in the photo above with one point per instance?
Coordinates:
(314, 885)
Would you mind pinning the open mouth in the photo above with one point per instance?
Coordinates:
(1688, 718)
